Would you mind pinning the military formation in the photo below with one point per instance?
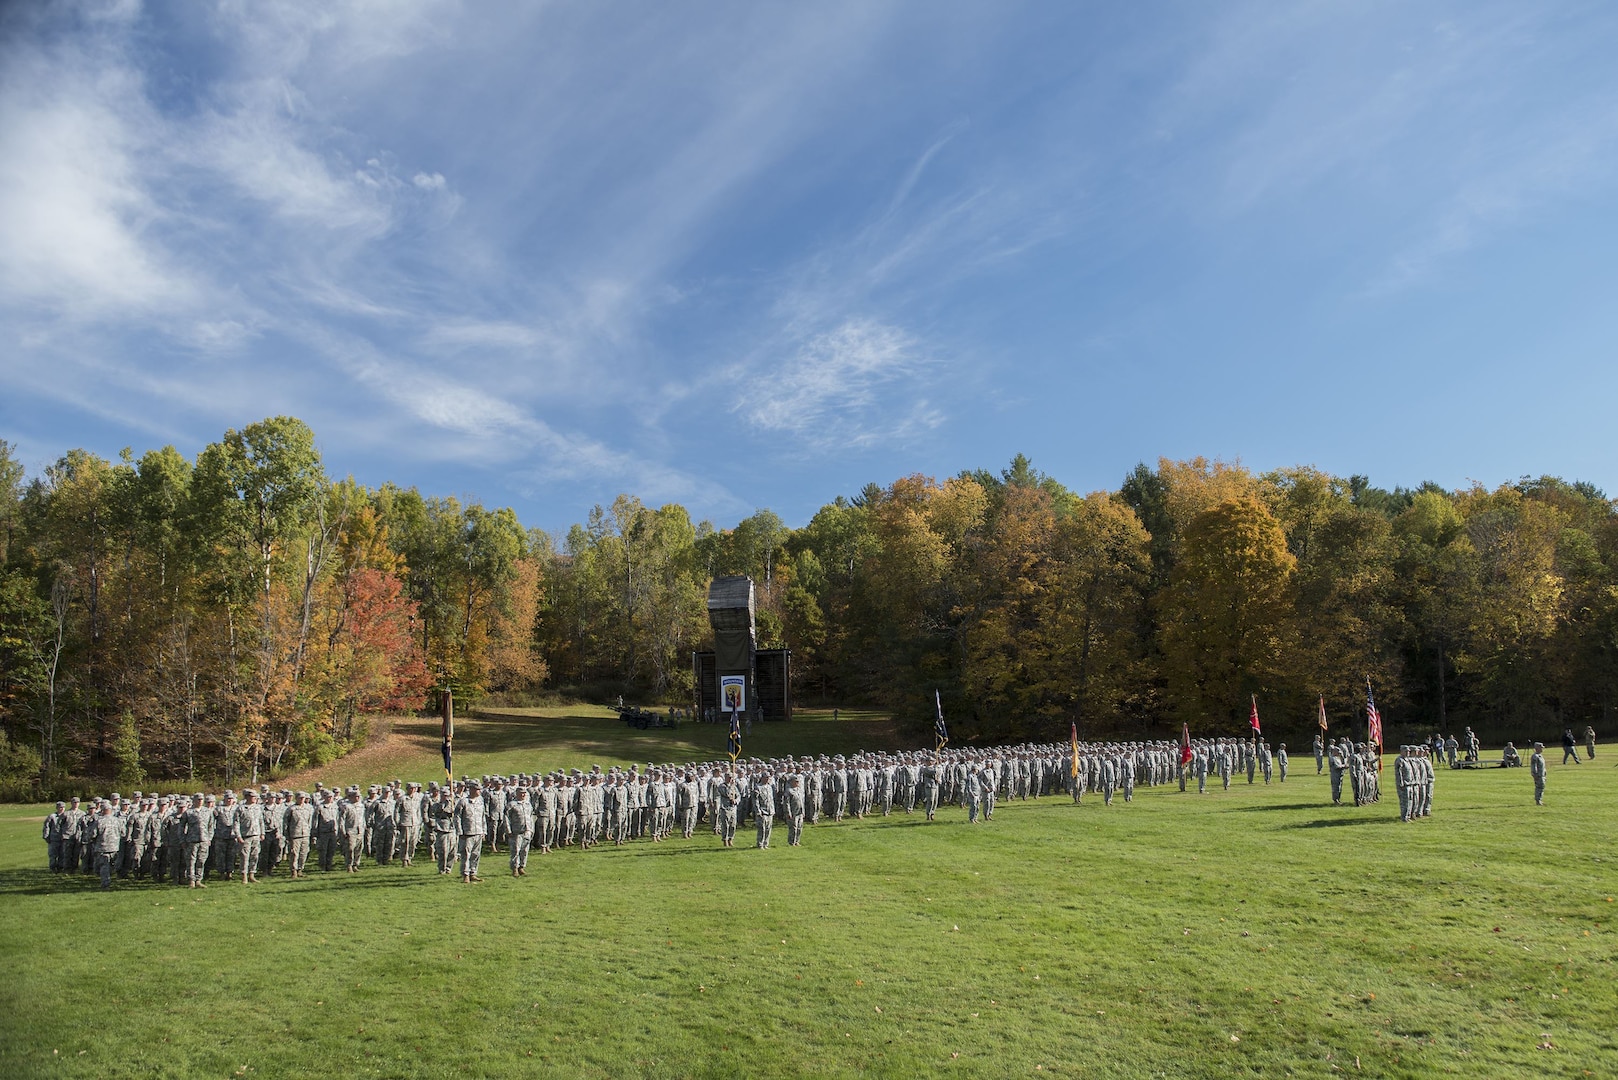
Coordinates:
(189, 840)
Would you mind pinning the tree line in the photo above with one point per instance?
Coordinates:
(243, 613)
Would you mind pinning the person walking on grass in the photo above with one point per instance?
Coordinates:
(1536, 769)
(1570, 748)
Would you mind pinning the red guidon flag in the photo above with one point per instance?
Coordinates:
(1253, 720)
(1373, 718)
(1185, 744)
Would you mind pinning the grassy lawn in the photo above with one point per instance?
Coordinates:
(508, 741)
(1259, 932)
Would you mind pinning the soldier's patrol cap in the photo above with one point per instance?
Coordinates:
(60, 805)
(114, 795)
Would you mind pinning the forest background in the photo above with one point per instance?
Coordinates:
(243, 614)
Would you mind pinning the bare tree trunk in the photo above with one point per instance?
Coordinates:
(61, 595)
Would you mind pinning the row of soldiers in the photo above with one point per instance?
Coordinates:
(188, 839)
(1225, 758)
(1359, 763)
(1413, 775)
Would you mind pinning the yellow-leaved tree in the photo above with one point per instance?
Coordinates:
(1224, 617)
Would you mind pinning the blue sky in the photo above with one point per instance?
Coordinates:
(740, 255)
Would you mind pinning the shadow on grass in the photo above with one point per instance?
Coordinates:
(1277, 806)
(1332, 823)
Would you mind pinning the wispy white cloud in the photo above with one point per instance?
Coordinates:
(75, 218)
(1577, 154)
(832, 391)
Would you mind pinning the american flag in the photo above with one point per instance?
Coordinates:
(1373, 719)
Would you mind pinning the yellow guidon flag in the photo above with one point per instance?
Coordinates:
(1073, 766)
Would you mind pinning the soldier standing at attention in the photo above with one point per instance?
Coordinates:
(686, 798)
(385, 827)
(494, 806)
(72, 823)
(409, 826)
(52, 835)
(325, 829)
(1404, 777)
(929, 788)
(351, 829)
(470, 827)
(196, 837)
(1536, 769)
(727, 797)
(441, 829)
(174, 841)
(224, 837)
(107, 835)
(1320, 753)
(794, 808)
(1281, 760)
(519, 830)
(249, 835)
(1339, 763)
(299, 827)
(547, 812)
(763, 807)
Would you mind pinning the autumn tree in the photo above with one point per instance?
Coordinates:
(1224, 616)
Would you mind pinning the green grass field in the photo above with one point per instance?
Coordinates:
(1259, 932)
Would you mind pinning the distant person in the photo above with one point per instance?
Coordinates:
(1509, 758)
(1590, 741)
(1281, 760)
(1570, 748)
(1536, 769)
(1450, 747)
(1320, 753)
